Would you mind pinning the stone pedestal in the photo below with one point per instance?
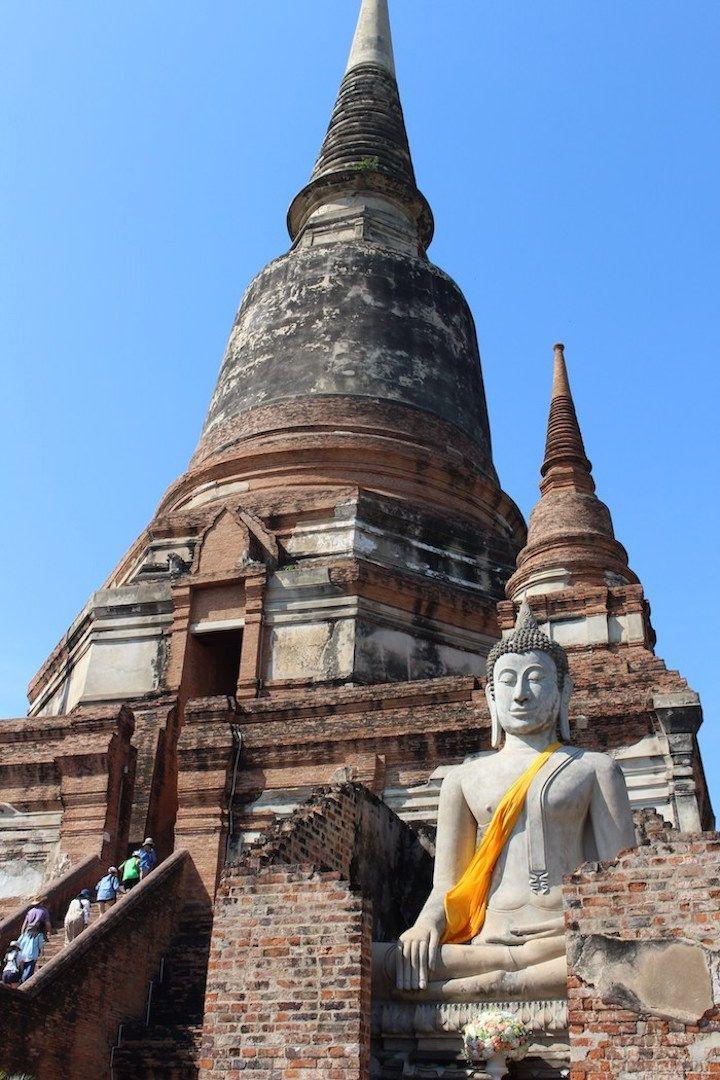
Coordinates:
(494, 1069)
(425, 1040)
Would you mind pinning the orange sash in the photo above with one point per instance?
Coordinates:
(466, 903)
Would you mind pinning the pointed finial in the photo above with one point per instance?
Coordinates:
(561, 383)
(525, 618)
(366, 148)
(372, 43)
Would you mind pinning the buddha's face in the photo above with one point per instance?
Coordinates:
(526, 697)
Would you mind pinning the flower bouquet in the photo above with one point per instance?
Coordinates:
(494, 1039)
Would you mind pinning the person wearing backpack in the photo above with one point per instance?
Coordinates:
(36, 929)
(130, 871)
(107, 889)
(12, 965)
(78, 916)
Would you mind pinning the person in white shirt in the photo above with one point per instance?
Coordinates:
(78, 915)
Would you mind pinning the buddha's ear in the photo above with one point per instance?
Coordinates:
(565, 708)
(494, 724)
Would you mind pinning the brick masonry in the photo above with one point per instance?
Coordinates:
(288, 993)
(80, 766)
(289, 979)
(360, 502)
(665, 891)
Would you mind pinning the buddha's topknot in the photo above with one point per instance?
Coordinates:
(528, 637)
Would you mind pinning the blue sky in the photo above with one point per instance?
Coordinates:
(570, 151)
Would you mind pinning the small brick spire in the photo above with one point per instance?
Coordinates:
(570, 534)
(566, 463)
(366, 147)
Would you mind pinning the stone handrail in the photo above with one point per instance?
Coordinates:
(94, 984)
(55, 896)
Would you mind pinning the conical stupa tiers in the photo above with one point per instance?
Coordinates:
(570, 537)
(367, 128)
(345, 455)
(565, 459)
(354, 330)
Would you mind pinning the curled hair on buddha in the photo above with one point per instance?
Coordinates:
(528, 637)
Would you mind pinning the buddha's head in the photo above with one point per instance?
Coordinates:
(528, 682)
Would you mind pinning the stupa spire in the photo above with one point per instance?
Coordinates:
(570, 535)
(566, 463)
(372, 43)
(366, 151)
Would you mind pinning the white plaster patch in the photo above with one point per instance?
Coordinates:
(545, 581)
(404, 654)
(567, 631)
(122, 666)
(647, 774)
(626, 628)
(76, 682)
(19, 878)
(705, 1045)
(312, 650)
(210, 492)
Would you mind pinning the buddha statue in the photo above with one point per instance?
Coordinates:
(512, 822)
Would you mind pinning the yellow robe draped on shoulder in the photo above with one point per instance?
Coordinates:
(466, 903)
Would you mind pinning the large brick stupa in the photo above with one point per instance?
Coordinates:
(283, 668)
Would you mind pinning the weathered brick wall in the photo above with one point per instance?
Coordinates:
(81, 766)
(643, 943)
(154, 808)
(348, 829)
(205, 764)
(64, 1022)
(288, 991)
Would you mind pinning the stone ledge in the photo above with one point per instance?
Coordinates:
(406, 1018)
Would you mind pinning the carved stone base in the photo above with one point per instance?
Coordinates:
(424, 1041)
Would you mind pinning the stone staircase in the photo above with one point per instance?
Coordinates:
(168, 1045)
(143, 926)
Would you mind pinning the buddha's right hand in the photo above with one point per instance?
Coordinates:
(417, 955)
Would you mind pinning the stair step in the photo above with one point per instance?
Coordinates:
(181, 1035)
(140, 1068)
(166, 1056)
(149, 1047)
(169, 1046)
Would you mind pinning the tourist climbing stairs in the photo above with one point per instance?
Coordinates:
(56, 941)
